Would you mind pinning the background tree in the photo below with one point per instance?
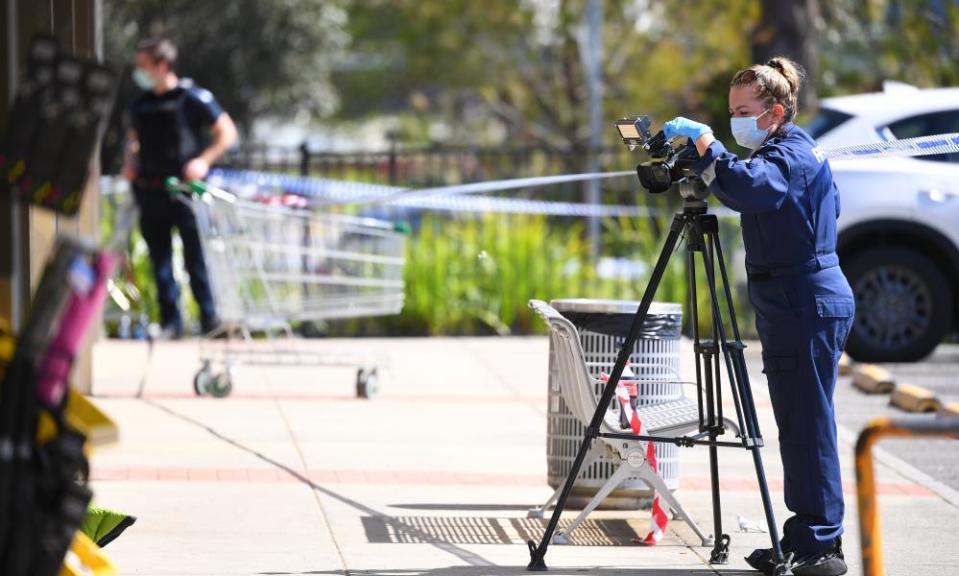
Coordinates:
(790, 29)
(257, 56)
(913, 41)
(460, 71)
(506, 70)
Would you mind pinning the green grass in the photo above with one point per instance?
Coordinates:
(475, 275)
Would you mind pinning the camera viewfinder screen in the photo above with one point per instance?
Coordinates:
(628, 130)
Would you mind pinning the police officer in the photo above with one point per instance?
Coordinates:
(804, 306)
(178, 129)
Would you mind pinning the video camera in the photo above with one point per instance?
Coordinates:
(667, 165)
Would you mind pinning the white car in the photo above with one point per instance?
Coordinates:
(899, 227)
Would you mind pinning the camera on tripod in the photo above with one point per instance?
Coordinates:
(715, 349)
(666, 165)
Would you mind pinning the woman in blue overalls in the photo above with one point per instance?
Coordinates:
(804, 306)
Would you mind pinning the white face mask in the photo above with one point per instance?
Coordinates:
(747, 133)
(142, 79)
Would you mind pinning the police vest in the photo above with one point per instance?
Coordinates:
(168, 140)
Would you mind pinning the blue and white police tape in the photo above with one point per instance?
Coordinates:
(325, 192)
(521, 206)
(919, 146)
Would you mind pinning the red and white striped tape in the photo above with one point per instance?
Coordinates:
(659, 517)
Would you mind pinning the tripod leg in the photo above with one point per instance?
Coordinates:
(538, 512)
(694, 325)
(538, 553)
(740, 387)
(720, 553)
(709, 380)
(734, 351)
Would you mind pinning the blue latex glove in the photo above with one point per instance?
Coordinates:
(680, 126)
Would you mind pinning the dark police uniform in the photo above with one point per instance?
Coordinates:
(804, 311)
(173, 128)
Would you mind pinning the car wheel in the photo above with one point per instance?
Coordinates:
(903, 305)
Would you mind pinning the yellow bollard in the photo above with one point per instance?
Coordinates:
(869, 530)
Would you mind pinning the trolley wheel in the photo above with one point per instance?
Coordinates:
(203, 381)
(366, 383)
(222, 384)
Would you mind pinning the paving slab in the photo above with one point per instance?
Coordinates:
(294, 475)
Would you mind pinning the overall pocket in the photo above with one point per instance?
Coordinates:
(833, 324)
(835, 307)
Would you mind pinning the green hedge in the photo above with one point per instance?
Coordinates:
(474, 274)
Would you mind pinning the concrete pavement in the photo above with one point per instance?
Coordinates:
(938, 373)
(293, 475)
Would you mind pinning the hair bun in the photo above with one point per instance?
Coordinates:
(791, 71)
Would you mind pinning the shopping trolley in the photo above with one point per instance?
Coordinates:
(272, 265)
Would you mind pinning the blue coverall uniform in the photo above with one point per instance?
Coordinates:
(804, 311)
(172, 129)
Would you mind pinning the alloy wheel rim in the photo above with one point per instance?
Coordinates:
(894, 307)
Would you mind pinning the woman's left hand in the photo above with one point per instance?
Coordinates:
(680, 126)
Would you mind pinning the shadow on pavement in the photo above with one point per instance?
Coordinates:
(395, 525)
(385, 528)
(514, 570)
(487, 530)
(478, 507)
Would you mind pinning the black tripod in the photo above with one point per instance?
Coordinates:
(702, 236)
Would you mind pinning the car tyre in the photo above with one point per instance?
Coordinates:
(903, 305)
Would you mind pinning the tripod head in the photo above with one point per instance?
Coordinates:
(694, 192)
(693, 189)
(695, 206)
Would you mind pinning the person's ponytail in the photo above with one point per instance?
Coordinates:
(778, 81)
(792, 72)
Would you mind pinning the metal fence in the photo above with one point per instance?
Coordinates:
(426, 166)
(473, 273)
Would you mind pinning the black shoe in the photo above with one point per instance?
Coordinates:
(828, 563)
(213, 329)
(762, 559)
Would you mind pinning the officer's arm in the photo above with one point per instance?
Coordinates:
(223, 133)
(757, 185)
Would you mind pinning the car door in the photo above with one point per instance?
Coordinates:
(904, 280)
(936, 176)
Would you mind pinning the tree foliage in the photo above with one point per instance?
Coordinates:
(257, 56)
(513, 70)
(868, 41)
(521, 62)
(789, 29)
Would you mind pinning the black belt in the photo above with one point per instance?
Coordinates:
(759, 276)
(156, 182)
(151, 182)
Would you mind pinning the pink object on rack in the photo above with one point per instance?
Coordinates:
(89, 286)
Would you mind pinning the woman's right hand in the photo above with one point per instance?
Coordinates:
(680, 126)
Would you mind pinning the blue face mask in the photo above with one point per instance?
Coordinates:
(747, 133)
(142, 79)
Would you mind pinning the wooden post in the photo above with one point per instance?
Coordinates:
(28, 234)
